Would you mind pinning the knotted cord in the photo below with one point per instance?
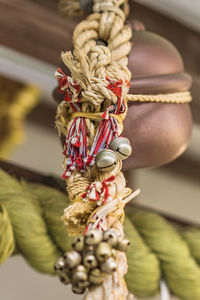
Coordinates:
(91, 117)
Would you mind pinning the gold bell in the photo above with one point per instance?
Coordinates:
(121, 146)
(96, 277)
(103, 252)
(89, 261)
(93, 237)
(59, 265)
(72, 259)
(111, 237)
(109, 266)
(123, 244)
(80, 277)
(106, 160)
(78, 243)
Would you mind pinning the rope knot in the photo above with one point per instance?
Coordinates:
(100, 57)
(111, 6)
(98, 191)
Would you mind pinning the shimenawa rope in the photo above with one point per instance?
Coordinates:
(30, 224)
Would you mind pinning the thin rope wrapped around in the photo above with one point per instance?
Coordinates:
(31, 217)
(179, 97)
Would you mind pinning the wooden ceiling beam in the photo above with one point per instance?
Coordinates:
(34, 30)
(33, 27)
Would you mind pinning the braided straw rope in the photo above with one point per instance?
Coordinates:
(91, 64)
(181, 97)
(72, 8)
(101, 45)
(159, 249)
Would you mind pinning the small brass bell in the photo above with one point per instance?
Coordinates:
(111, 237)
(81, 268)
(123, 244)
(59, 265)
(80, 277)
(121, 146)
(103, 252)
(72, 259)
(106, 160)
(89, 261)
(78, 243)
(109, 266)
(96, 277)
(78, 290)
(93, 237)
(64, 278)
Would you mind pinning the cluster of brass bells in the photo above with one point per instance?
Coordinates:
(107, 159)
(92, 257)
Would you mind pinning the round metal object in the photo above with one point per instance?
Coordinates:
(109, 266)
(96, 277)
(106, 160)
(111, 236)
(72, 259)
(89, 261)
(121, 146)
(103, 252)
(93, 237)
(59, 265)
(78, 243)
(123, 245)
(81, 268)
(79, 277)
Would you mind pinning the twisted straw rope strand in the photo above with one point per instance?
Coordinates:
(181, 97)
(156, 245)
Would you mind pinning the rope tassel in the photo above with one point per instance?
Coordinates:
(75, 147)
(108, 128)
(67, 86)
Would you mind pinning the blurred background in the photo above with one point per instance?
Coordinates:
(28, 59)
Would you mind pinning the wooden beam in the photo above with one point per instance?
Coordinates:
(184, 167)
(33, 27)
(34, 30)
